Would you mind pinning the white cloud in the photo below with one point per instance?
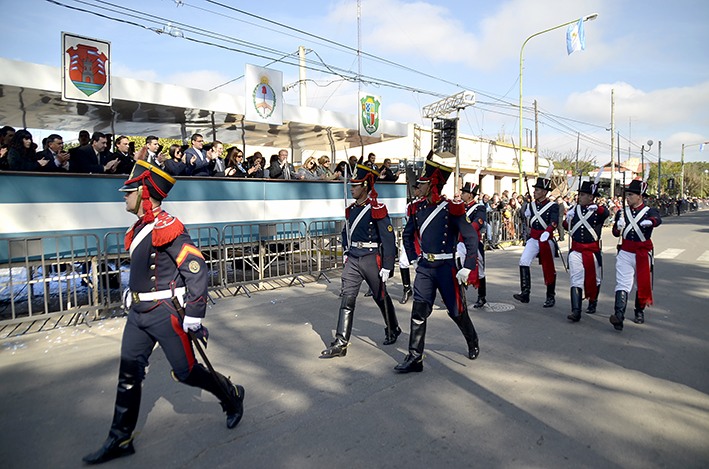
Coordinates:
(122, 70)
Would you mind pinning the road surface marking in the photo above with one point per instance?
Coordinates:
(669, 253)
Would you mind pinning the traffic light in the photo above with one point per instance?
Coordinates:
(670, 184)
(444, 137)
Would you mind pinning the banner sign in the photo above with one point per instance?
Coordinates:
(264, 95)
(370, 115)
(86, 69)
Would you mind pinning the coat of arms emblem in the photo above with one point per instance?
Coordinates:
(370, 114)
(87, 69)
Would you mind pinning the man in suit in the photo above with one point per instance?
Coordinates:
(282, 169)
(55, 154)
(154, 156)
(217, 165)
(84, 139)
(197, 162)
(88, 158)
(124, 156)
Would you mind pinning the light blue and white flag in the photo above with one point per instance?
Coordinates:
(575, 37)
(701, 147)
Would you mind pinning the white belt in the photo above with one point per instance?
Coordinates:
(158, 295)
(437, 257)
(360, 245)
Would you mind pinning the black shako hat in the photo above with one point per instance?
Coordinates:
(637, 186)
(587, 187)
(432, 168)
(543, 183)
(157, 181)
(471, 188)
(363, 173)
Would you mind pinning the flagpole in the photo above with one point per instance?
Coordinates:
(521, 63)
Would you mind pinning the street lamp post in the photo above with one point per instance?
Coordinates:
(521, 67)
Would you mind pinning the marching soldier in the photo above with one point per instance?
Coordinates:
(164, 265)
(634, 223)
(404, 263)
(584, 222)
(542, 215)
(367, 230)
(438, 223)
(477, 214)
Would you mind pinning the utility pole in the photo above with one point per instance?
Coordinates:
(659, 168)
(536, 138)
(302, 89)
(612, 142)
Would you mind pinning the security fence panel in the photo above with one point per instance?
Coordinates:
(207, 240)
(49, 276)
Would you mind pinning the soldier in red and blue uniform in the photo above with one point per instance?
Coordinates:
(635, 224)
(369, 245)
(164, 264)
(477, 214)
(584, 222)
(543, 218)
(438, 223)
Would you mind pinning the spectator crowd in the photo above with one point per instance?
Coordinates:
(101, 154)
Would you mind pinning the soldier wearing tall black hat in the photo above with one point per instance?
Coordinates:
(584, 221)
(477, 214)
(164, 264)
(438, 223)
(369, 245)
(634, 260)
(543, 217)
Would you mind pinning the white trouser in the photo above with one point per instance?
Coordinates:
(403, 260)
(531, 250)
(624, 271)
(577, 272)
(461, 252)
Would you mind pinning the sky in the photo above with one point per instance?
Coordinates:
(652, 53)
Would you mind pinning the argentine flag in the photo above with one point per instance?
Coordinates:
(575, 37)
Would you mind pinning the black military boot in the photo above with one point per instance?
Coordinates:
(639, 312)
(593, 303)
(471, 337)
(482, 292)
(576, 300)
(414, 359)
(125, 415)
(392, 329)
(621, 301)
(230, 397)
(525, 282)
(551, 294)
(338, 347)
(369, 292)
(406, 280)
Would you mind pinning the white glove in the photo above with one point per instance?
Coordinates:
(127, 299)
(646, 223)
(593, 207)
(191, 324)
(527, 213)
(569, 216)
(462, 276)
(344, 258)
(384, 274)
(544, 237)
(404, 261)
(415, 264)
(620, 223)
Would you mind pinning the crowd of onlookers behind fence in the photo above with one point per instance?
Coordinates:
(100, 154)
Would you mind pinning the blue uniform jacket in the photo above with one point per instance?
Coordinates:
(166, 255)
(374, 227)
(442, 233)
(652, 214)
(582, 235)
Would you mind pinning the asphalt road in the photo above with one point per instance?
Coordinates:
(545, 393)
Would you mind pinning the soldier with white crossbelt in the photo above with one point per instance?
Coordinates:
(584, 221)
(634, 223)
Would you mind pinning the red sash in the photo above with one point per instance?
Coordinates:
(545, 257)
(588, 251)
(642, 251)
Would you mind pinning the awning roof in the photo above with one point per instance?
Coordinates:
(30, 97)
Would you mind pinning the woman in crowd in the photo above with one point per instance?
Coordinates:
(342, 169)
(235, 166)
(324, 171)
(23, 153)
(309, 169)
(255, 166)
(175, 165)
